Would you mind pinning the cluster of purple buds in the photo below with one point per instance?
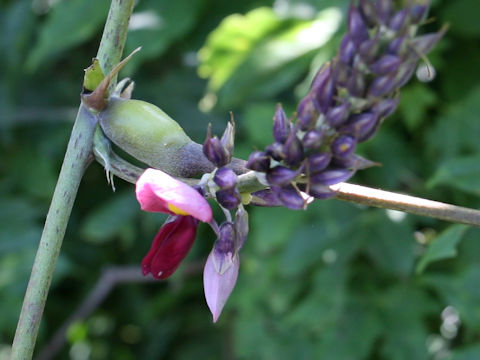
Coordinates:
(221, 269)
(220, 153)
(348, 100)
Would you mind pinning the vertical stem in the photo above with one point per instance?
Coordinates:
(77, 158)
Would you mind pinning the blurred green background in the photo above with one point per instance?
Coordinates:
(338, 281)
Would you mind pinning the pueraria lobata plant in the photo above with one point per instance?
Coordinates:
(313, 150)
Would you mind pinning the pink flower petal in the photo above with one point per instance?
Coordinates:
(218, 287)
(159, 192)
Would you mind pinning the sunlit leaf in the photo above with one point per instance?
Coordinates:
(260, 53)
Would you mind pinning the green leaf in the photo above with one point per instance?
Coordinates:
(258, 119)
(457, 130)
(260, 53)
(404, 309)
(69, 23)
(271, 237)
(414, 104)
(443, 246)
(459, 173)
(344, 341)
(108, 220)
(389, 244)
(461, 291)
(462, 15)
(155, 25)
(471, 352)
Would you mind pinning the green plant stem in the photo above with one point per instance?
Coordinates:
(77, 158)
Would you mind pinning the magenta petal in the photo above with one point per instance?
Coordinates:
(218, 287)
(157, 192)
(170, 246)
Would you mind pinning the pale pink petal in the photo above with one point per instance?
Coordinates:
(157, 192)
(218, 287)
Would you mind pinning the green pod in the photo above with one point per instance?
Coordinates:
(148, 134)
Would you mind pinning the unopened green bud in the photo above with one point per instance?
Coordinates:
(145, 132)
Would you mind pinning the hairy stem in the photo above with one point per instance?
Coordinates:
(77, 158)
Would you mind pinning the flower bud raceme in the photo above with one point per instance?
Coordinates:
(348, 100)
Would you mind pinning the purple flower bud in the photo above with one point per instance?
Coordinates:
(360, 126)
(276, 151)
(418, 13)
(386, 107)
(313, 139)
(265, 198)
(228, 138)
(384, 9)
(356, 84)
(347, 50)
(290, 197)
(306, 113)
(404, 73)
(318, 162)
(386, 64)
(224, 245)
(397, 46)
(229, 198)
(354, 162)
(424, 43)
(368, 50)
(225, 178)
(258, 161)
(323, 88)
(281, 125)
(214, 150)
(337, 115)
(293, 150)
(382, 85)
(281, 175)
(357, 29)
(343, 146)
(241, 228)
(320, 191)
(368, 12)
(331, 177)
(218, 287)
(398, 20)
(342, 73)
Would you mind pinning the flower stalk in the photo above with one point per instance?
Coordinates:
(77, 158)
(249, 183)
